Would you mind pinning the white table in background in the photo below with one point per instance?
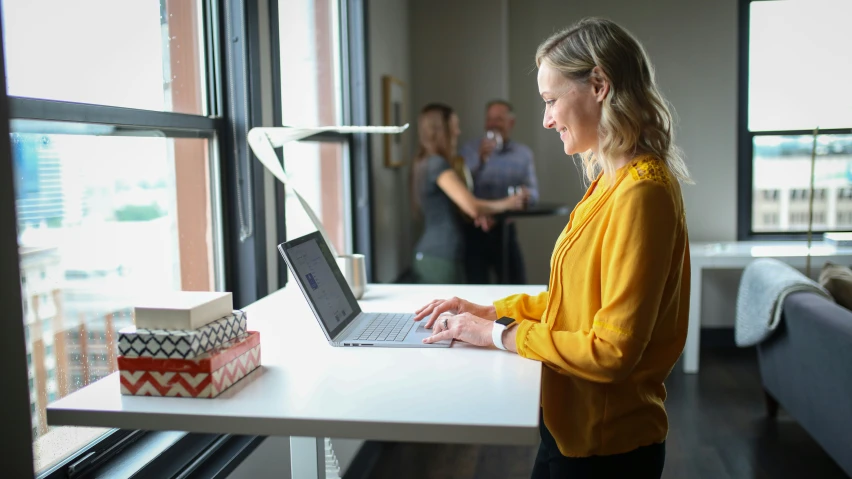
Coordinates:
(309, 390)
(737, 255)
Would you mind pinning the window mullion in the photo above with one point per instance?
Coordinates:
(15, 420)
(59, 111)
(831, 131)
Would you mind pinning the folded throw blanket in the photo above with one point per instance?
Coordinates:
(764, 285)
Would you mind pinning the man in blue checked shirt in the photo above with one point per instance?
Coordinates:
(499, 167)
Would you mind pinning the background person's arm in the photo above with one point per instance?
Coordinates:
(531, 182)
(472, 206)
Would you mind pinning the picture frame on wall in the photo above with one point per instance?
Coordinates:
(395, 106)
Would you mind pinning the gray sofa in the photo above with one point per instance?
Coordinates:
(806, 367)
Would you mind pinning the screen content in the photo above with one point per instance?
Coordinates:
(318, 279)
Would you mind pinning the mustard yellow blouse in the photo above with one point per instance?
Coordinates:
(614, 319)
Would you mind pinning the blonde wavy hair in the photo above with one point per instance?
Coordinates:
(635, 118)
(433, 132)
(434, 138)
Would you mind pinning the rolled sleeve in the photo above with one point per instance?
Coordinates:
(522, 307)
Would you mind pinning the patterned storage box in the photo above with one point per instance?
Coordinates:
(180, 343)
(203, 377)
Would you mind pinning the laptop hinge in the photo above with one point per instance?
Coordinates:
(349, 328)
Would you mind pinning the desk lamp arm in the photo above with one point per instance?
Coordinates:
(263, 142)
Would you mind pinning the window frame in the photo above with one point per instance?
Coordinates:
(18, 453)
(355, 104)
(232, 57)
(745, 142)
(53, 116)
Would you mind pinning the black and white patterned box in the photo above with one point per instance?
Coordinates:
(180, 343)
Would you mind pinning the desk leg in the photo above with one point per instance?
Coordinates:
(307, 457)
(693, 338)
(505, 252)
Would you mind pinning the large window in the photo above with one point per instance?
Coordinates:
(111, 202)
(105, 52)
(795, 73)
(312, 92)
(100, 219)
(131, 174)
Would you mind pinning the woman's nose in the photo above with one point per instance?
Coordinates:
(548, 121)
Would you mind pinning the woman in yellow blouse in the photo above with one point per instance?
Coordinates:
(613, 321)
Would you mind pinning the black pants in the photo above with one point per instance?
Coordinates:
(484, 252)
(643, 463)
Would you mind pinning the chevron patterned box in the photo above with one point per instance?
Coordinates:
(180, 343)
(203, 377)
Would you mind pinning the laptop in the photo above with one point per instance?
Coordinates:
(335, 307)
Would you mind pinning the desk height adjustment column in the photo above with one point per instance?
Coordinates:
(307, 457)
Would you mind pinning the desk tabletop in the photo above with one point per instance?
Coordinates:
(540, 209)
(306, 387)
(766, 249)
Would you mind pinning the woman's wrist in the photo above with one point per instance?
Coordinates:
(490, 313)
(508, 338)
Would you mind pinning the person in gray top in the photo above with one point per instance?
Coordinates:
(440, 195)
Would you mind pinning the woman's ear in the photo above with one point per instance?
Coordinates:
(600, 83)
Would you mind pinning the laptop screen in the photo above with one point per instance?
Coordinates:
(322, 282)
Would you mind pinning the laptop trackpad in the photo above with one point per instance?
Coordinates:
(421, 332)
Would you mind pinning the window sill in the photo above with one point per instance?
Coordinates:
(175, 454)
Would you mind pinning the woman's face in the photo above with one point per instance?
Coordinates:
(572, 108)
(455, 131)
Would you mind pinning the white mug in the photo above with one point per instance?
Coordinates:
(354, 269)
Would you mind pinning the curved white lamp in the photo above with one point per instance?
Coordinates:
(263, 142)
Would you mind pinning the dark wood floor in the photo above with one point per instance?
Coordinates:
(718, 429)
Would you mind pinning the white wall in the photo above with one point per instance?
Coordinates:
(459, 53)
(388, 42)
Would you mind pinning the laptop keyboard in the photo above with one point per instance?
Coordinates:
(388, 327)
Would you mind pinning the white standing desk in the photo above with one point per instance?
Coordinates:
(309, 390)
(736, 255)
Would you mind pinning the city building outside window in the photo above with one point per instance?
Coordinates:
(105, 211)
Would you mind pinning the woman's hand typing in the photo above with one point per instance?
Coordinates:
(454, 306)
(463, 327)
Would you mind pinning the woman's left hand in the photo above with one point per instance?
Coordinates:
(464, 327)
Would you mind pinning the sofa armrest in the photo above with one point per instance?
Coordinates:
(820, 319)
(807, 366)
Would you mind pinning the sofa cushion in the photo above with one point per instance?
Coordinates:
(837, 279)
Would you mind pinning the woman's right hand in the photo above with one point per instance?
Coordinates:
(453, 305)
(486, 147)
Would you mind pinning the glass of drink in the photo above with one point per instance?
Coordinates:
(496, 137)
